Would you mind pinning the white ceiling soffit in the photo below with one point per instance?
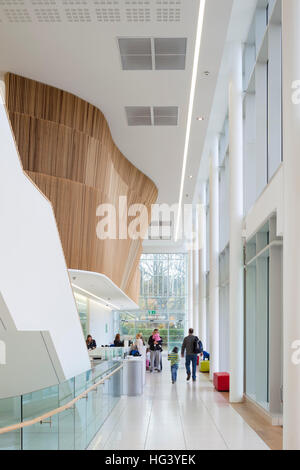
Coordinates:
(100, 288)
(73, 45)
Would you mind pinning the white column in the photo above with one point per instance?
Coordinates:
(291, 250)
(214, 259)
(202, 267)
(196, 274)
(236, 297)
(190, 290)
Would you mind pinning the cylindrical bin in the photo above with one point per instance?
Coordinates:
(135, 376)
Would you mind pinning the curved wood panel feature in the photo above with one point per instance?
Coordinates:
(67, 149)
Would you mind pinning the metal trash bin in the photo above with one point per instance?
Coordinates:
(135, 376)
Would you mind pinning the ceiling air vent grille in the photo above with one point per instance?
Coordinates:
(108, 15)
(165, 115)
(168, 11)
(78, 15)
(170, 53)
(17, 15)
(138, 115)
(47, 15)
(152, 116)
(44, 3)
(136, 53)
(153, 54)
(75, 3)
(12, 3)
(138, 11)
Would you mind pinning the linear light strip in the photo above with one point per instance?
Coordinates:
(107, 305)
(191, 108)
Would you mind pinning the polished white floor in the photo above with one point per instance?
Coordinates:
(185, 416)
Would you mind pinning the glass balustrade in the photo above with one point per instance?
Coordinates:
(73, 428)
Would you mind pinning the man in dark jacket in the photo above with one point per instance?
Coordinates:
(188, 346)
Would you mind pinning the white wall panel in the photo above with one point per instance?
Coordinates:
(100, 323)
(34, 280)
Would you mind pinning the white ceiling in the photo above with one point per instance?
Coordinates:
(48, 45)
(100, 288)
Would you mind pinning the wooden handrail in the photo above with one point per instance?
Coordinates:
(25, 424)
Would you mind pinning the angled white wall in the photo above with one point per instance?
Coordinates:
(34, 281)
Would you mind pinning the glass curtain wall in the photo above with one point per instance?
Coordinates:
(262, 64)
(163, 299)
(263, 318)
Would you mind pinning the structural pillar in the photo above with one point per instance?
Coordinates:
(236, 296)
(190, 291)
(202, 267)
(291, 251)
(196, 274)
(214, 259)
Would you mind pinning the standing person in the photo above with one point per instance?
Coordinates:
(142, 338)
(190, 345)
(139, 345)
(155, 343)
(174, 358)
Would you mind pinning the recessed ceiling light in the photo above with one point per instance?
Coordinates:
(191, 177)
(200, 118)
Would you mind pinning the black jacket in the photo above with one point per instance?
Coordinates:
(92, 344)
(155, 347)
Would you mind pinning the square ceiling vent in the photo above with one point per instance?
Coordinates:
(165, 115)
(153, 54)
(138, 115)
(136, 53)
(152, 116)
(170, 53)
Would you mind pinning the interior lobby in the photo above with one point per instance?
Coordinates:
(149, 243)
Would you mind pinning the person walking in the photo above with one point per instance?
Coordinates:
(155, 343)
(190, 346)
(174, 358)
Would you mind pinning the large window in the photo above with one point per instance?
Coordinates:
(163, 299)
(263, 317)
(262, 100)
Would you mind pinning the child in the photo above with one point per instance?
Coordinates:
(148, 359)
(156, 337)
(205, 356)
(174, 358)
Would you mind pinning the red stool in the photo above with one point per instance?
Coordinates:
(221, 381)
